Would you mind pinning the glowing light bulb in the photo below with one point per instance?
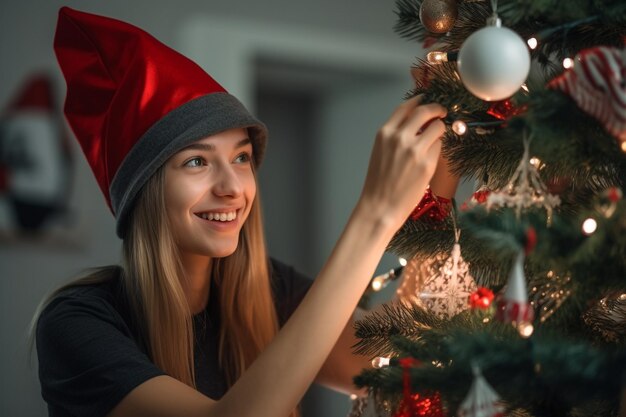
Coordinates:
(525, 88)
(568, 63)
(459, 127)
(534, 161)
(525, 329)
(402, 261)
(532, 43)
(589, 226)
(380, 362)
(378, 283)
(437, 57)
(624, 146)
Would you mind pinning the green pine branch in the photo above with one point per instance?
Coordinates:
(559, 378)
(377, 328)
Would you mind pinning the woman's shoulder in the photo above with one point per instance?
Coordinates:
(99, 290)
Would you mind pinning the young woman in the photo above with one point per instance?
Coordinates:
(197, 321)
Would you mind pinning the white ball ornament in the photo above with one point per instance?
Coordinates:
(493, 63)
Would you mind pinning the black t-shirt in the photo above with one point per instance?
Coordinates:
(91, 356)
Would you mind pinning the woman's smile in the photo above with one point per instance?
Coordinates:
(221, 221)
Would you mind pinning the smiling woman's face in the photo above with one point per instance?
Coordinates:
(209, 190)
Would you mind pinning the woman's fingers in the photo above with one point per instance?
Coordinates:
(404, 159)
(419, 118)
(400, 114)
(432, 132)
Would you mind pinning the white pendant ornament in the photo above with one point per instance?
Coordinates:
(525, 189)
(441, 284)
(493, 62)
(481, 400)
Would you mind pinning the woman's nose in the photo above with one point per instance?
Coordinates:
(228, 183)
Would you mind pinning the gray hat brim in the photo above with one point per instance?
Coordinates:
(201, 117)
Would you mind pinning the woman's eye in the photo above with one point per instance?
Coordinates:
(194, 162)
(243, 158)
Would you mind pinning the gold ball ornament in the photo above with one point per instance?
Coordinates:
(438, 16)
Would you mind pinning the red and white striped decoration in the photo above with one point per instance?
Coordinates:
(597, 83)
(513, 306)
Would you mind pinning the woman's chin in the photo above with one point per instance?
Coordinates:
(221, 251)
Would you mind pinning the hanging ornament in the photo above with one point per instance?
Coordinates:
(597, 83)
(479, 197)
(481, 400)
(513, 306)
(481, 298)
(505, 109)
(494, 61)
(440, 284)
(608, 201)
(433, 207)
(525, 189)
(548, 292)
(608, 317)
(414, 404)
(438, 16)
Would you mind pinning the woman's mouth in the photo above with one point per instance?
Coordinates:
(221, 217)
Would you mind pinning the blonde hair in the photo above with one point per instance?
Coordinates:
(152, 274)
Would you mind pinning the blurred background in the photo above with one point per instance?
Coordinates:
(323, 76)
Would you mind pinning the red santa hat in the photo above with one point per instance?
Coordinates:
(133, 102)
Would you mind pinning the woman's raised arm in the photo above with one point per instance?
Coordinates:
(402, 163)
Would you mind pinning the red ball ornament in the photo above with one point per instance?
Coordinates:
(481, 298)
(504, 109)
(481, 196)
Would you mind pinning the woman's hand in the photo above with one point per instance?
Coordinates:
(403, 161)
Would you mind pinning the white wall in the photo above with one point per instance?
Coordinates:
(352, 34)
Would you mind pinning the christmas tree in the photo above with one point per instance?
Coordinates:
(513, 302)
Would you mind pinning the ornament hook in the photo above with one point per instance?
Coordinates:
(494, 20)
